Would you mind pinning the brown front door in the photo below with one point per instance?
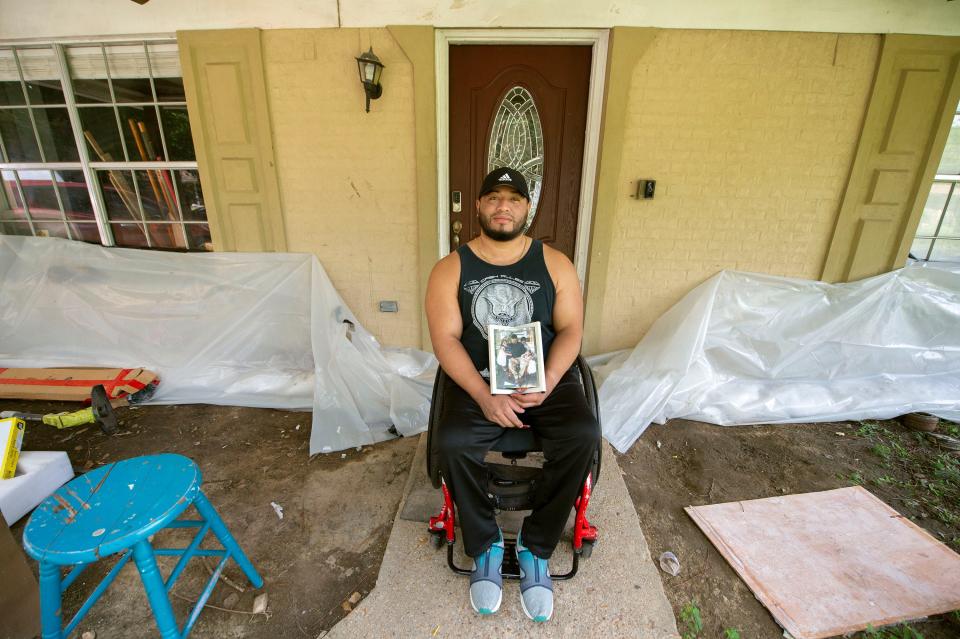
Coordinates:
(524, 107)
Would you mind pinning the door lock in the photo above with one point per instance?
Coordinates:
(457, 227)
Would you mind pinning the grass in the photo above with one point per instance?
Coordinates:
(920, 475)
(691, 619)
(903, 631)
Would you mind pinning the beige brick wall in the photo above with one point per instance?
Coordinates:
(750, 136)
(347, 179)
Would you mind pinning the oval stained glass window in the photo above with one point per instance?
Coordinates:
(516, 141)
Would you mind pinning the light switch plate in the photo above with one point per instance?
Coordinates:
(389, 306)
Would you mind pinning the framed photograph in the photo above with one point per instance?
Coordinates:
(516, 359)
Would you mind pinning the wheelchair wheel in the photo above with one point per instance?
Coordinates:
(433, 456)
(593, 402)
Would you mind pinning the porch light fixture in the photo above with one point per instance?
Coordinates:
(370, 69)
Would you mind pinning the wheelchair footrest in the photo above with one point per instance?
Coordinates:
(511, 487)
(511, 567)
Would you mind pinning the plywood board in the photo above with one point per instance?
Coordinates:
(833, 562)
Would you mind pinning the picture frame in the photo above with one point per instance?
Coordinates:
(516, 359)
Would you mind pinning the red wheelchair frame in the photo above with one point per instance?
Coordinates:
(442, 527)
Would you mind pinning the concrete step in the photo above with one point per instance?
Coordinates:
(617, 592)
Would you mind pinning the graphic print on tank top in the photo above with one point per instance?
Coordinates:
(501, 300)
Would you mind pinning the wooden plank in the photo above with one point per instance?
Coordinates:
(833, 562)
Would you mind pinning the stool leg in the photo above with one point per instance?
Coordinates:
(50, 601)
(206, 510)
(156, 592)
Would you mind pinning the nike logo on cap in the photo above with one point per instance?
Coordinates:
(505, 177)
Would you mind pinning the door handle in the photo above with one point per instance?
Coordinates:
(457, 227)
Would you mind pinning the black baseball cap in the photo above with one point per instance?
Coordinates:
(505, 177)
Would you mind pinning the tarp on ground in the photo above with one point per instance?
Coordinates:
(744, 348)
(239, 329)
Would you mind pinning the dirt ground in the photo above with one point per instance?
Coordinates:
(330, 542)
(327, 547)
(698, 464)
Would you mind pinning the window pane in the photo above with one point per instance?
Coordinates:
(191, 197)
(164, 60)
(91, 91)
(39, 69)
(15, 228)
(146, 146)
(950, 161)
(17, 135)
(156, 195)
(129, 235)
(127, 61)
(946, 251)
(51, 229)
(56, 135)
(950, 227)
(919, 249)
(516, 139)
(41, 199)
(199, 237)
(74, 194)
(45, 92)
(119, 196)
(100, 130)
(933, 208)
(85, 232)
(12, 208)
(170, 89)
(11, 93)
(89, 73)
(168, 236)
(132, 90)
(176, 128)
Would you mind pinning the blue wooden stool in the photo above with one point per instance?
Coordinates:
(116, 509)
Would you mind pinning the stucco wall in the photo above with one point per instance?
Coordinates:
(750, 136)
(347, 179)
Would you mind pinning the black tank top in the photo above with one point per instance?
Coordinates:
(510, 295)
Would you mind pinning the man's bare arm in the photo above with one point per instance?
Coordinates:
(567, 324)
(446, 328)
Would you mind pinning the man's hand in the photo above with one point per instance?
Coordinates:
(502, 410)
(529, 400)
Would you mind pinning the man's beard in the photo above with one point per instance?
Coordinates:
(502, 236)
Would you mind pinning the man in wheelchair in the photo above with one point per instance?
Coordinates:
(505, 277)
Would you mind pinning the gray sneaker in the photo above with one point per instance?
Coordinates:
(486, 582)
(536, 587)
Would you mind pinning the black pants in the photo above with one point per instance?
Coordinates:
(570, 434)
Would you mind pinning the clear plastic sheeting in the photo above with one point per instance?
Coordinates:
(239, 329)
(746, 348)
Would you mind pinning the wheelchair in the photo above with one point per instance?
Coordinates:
(511, 486)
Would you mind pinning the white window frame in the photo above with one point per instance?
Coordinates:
(86, 165)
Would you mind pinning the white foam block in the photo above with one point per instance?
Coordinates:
(39, 473)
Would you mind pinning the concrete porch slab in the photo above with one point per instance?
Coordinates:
(617, 592)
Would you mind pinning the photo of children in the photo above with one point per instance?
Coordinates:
(516, 359)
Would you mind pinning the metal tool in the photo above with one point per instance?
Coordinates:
(99, 412)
